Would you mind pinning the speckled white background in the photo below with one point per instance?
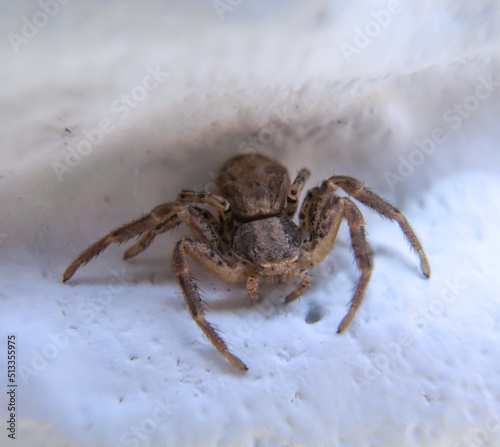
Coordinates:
(113, 358)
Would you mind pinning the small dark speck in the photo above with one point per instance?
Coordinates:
(67, 131)
(106, 199)
(132, 358)
(64, 313)
(149, 357)
(121, 400)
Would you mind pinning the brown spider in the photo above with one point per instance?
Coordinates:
(253, 239)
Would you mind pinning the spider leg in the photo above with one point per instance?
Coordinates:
(362, 255)
(148, 238)
(215, 264)
(294, 192)
(301, 288)
(160, 219)
(253, 288)
(226, 222)
(356, 189)
(143, 243)
(321, 216)
(307, 214)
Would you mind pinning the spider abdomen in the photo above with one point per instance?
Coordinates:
(255, 186)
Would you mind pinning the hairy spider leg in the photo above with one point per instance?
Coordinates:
(226, 223)
(147, 239)
(292, 199)
(160, 219)
(366, 196)
(321, 216)
(207, 258)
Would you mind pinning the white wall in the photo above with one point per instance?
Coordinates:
(113, 358)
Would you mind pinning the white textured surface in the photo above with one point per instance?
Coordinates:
(113, 357)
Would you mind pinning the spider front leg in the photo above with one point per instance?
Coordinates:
(160, 219)
(216, 265)
(147, 239)
(321, 216)
(253, 288)
(304, 284)
(225, 223)
(223, 226)
(360, 192)
(165, 213)
(294, 191)
(362, 254)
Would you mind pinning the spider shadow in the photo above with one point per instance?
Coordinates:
(345, 257)
(152, 270)
(216, 361)
(394, 255)
(272, 296)
(156, 271)
(235, 302)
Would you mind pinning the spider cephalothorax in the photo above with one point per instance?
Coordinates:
(252, 238)
(271, 245)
